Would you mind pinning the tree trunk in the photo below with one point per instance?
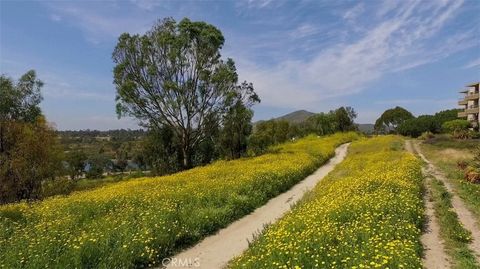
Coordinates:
(186, 152)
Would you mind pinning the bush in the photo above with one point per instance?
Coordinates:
(455, 126)
(416, 126)
(462, 134)
(59, 186)
(472, 169)
(427, 135)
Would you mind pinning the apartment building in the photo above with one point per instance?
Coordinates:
(470, 104)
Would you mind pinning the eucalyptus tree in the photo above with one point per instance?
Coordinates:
(173, 76)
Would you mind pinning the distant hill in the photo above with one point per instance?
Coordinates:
(366, 128)
(296, 116)
(293, 117)
(302, 115)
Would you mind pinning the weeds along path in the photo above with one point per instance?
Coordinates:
(215, 251)
(465, 216)
(435, 256)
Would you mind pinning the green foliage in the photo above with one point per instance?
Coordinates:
(344, 117)
(414, 127)
(322, 123)
(20, 101)
(455, 126)
(455, 236)
(76, 161)
(269, 133)
(237, 122)
(97, 165)
(29, 152)
(272, 132)
(173, 77)
(161, 151)
(426, 135)
(391, 118)
(446, 115)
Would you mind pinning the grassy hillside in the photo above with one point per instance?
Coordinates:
(296, 116)
(137, 223)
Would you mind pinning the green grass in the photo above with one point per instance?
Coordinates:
(446, 141)
(445, 158)
(455, 236)
(65, 186)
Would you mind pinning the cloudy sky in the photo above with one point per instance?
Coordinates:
(315, 55)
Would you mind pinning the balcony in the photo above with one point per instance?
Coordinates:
(462, 115)
(462, 102)
(472, 96)
(472, 110)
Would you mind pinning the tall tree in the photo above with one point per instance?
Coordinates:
(174, 76)
(237, 122)
(345, 117)
(29, 150)
(391, 118)
(76, 161)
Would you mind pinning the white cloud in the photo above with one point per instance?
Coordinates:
(398, 36)
(55, 17)
(472, 64)
(400, 41)
(305, 30)
(147, 4)
(353, 13)
(99, 25)
(258, 3)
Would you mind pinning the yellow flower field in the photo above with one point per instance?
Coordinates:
(137, 223)
(367, 213)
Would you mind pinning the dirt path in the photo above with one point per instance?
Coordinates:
(215, 251)
(466, 217)
(434, 254)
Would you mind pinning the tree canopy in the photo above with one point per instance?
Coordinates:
(29, 151)
(391, 118)
(20, 101)
(173, 76)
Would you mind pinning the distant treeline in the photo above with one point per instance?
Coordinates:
(401, 121)
(119, 134)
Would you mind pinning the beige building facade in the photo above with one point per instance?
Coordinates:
(470, 104)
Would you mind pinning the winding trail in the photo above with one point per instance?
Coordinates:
(217, 250)
(466, 218)
(435, 256)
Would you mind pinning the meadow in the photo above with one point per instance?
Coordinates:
(367, 213)
(446, 154)
(136, 223)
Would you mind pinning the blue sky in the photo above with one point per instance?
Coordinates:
(315, 55)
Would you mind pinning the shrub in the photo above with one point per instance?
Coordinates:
(462, 134)
(455, 126)
(427, 135)
(416, 126)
